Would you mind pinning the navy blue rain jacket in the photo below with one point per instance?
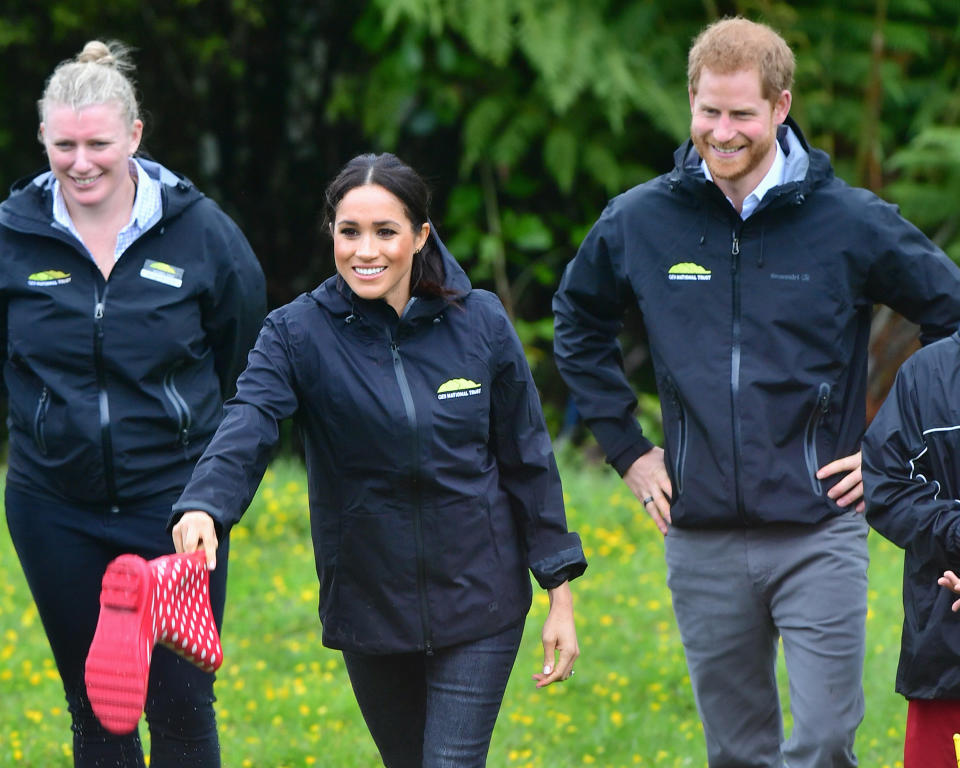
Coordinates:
(911, 480)
(758, 330)
(432, 481)
(115, 386)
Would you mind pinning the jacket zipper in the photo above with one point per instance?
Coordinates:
(411, 410)
(821, 409)
(39, 419)
(735, 374)
(105, 437)
(184, 417)
(681, 450)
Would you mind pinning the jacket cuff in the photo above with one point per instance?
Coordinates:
(623, 461)
(186, 505)
(565, 565)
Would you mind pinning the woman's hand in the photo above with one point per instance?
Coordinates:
(195, 530)
(559, 636)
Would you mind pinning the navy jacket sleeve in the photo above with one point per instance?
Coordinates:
(229, 472)
(910, 274)
(234, 308)
(528, 470)
(904, 499)
(588, 310)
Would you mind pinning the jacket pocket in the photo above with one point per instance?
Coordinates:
(180, 407)
(679, 432)
(820, 410)
(40, 420)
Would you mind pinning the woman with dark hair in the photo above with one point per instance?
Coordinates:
(432, 483)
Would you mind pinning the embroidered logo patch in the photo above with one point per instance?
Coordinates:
(457, 388)
(162, 273)
(687, 270)
(49, 277)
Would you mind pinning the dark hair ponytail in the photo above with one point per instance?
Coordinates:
(404, 183)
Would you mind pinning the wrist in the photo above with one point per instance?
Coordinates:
(561, 595)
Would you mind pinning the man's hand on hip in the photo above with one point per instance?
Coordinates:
(648, 480)
(849, 489)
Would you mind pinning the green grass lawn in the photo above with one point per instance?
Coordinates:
(285, 701)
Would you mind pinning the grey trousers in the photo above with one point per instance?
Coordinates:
(735, 592)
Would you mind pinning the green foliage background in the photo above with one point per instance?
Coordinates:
(526, 115)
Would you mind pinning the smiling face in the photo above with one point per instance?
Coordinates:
(373, 244)
(734, 129)
(89, 151)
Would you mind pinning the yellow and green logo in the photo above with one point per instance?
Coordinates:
(163, 267)
(162, 273)
(457, 388)
(49, 277)
(687, 270)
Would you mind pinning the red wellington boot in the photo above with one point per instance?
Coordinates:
(167, 601)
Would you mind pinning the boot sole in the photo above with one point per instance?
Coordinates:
(118, 664)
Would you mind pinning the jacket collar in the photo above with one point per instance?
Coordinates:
(805, 168)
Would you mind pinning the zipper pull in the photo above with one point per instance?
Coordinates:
(735, 248)
(98, 311)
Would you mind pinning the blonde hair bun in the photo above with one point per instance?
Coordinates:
(100, 73)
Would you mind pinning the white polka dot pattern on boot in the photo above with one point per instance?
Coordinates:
(183, 597)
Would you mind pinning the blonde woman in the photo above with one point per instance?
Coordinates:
(128, 301)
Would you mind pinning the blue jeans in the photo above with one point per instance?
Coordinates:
(435, 711)
(64, 550)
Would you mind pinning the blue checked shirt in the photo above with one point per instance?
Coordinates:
(146, 210)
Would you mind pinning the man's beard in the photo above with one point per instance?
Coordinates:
(753, 155)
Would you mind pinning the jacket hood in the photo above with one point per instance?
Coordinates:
(805, 167)
(335, 295)
(30, 203)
